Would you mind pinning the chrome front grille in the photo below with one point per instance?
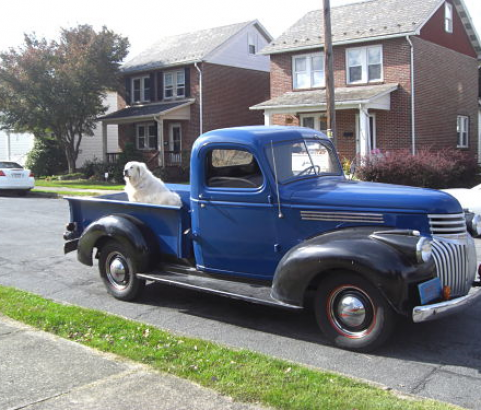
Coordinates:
(453, 252)
(447, 224)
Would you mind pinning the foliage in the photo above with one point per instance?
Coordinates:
(55, 89)
(46, 158)
(430, 169)
(241, 374)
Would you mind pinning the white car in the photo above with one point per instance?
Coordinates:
(13, 177)
(468, 198)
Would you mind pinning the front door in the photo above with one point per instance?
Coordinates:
(233, 217)
(174, 153)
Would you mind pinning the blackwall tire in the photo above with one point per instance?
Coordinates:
(117, 270)
(352, 313)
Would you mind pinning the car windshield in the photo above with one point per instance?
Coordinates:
(294, 159)
(10, 165)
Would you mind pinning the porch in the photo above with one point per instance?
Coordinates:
(357, 110)
(156, 131)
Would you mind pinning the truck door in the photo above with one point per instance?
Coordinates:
(233, 219)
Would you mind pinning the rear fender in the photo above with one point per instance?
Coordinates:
(384, 263)
(125, 229)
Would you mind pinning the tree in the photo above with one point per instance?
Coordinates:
(55, 89)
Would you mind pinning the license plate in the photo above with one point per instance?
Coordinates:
(430, 290)
(17, 175)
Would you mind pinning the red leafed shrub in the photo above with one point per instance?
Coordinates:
(429, 169)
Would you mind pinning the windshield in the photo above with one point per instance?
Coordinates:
(10, 165)
(295, 159)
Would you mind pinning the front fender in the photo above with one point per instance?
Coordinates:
(359, 250)
(125, 229)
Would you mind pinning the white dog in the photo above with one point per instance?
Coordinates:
(142, 186)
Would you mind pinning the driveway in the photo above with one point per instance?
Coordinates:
(441, 360)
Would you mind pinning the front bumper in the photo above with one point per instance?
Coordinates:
(438, 310)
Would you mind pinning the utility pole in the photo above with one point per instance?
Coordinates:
(329, 74)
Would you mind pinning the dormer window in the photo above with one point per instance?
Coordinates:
(308, 71)
(140, 89)
(448, 17)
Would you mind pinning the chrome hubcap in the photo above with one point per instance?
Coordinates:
(117, 270)
(351, 312)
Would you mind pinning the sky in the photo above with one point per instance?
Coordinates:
(146, 21)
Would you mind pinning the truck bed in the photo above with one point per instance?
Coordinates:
(168, 223)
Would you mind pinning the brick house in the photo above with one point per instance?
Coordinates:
(405, 73)
(188, 84)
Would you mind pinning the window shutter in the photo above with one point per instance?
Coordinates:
(187, 81)
(127, 91)
(153, 94)
(160, 86)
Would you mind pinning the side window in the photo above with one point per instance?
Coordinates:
(233, 168)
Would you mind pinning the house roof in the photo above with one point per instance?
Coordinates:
(366, 21)
(186, 48)
(139, 112)
(316, 98)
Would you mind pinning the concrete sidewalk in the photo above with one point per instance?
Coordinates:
(41, 371)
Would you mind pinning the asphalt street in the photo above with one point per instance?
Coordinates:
(440, 360)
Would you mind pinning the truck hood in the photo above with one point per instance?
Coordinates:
(341, 193)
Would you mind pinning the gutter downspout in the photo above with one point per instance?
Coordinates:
(413, 89)
(201, 108)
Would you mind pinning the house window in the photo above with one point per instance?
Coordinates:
(308, 71)
(364, 64)
(463, 131)
(252, 43)
(146, 136)
(448, 17)
(140, 89)
(318, 123)
(174, 84)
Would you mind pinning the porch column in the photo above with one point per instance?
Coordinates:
(160, 141)
(267, 118)
(364, 148)
(104, 141)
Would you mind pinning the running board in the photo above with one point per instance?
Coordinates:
(235, 290)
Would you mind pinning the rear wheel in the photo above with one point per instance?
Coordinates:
(117, 270)
(352, 313)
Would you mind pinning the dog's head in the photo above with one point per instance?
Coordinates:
(134, 172)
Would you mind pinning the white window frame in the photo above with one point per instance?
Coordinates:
(176, 85)
(448, 17)
(309, 71)
(364, 65)
(318, 120)
(142, 89)
(252, 41)
(146, 126)
(462, 131)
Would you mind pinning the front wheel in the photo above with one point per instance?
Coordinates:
(117, 270)
(352, 313)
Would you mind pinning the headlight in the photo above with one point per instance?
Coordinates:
(424, 250)
(474, 225)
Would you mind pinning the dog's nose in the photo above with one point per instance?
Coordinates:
(126, 173)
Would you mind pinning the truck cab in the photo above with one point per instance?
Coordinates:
(270, 217)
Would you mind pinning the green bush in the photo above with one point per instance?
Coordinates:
(439, 169)
(46, 158)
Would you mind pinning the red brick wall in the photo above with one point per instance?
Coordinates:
(228, 92)
(393, 127)
(446, 86)
(458, 40)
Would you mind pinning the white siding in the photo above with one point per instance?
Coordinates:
(235, 51)
(15, 146)
(91, 146)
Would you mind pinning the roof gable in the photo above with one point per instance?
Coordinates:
(183, 49)
(369, 20)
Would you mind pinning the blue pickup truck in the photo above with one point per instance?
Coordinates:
(270, 218)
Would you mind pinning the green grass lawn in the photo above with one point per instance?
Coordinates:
(80, 184)
(244, 375)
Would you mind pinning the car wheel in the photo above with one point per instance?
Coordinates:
(117, 270)
(352, 313)
(23, 192)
